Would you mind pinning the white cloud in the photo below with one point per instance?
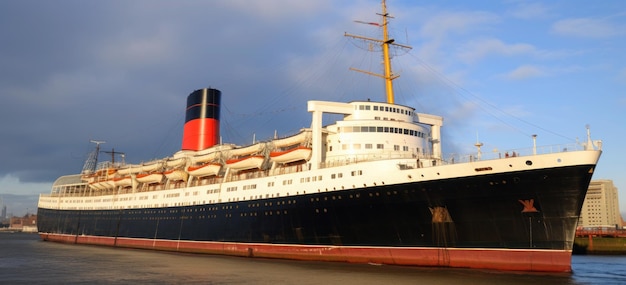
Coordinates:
(587, 28)
(524, 72)
(478, 49)
(530, 11)
(442, 24)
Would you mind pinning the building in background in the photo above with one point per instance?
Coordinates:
(601, 206)
(28, 223)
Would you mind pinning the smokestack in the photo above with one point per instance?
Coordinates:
(202, 119)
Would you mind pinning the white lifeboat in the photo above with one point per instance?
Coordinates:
(246, 162)
(291, 155)
(206, 169)
(123, 181)
(175, 162)
(210, 154)
(149, 178)
(151, 166)
(129, 169)
(176, 175)
(296, 139)
(245, 151)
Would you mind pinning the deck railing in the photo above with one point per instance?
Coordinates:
(412, 161)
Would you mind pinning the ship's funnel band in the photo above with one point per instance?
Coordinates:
(202, 117)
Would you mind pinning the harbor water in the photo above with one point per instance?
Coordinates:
(25, 259)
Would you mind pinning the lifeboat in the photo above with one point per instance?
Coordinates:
(210, 154)
(150, 178)
(176, 175)
(106, 172)
(175, 162)
(129, 169)
(246, 162)
(248, 150)
(123, 181)
(291, 155)
(150, 167)
(296, 139)
(206, 169)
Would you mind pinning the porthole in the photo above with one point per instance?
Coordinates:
(529, 163)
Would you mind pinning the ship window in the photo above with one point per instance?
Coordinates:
(379, 129)
(380, 146)
(364, 129)
(332, 176)
(396, 147)
(375, 108)
(372, 129)
(386, 129)
(339, 175)
(361, 107)
(406, 131)
(405, 148)
(368, 146)
(367, 107)
(344, 146)
(330, 148)
(386, 109)
(356, 146)
(377, 118)
(356, 129)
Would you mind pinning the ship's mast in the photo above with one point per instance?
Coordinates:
(92, 160)
(388, 75)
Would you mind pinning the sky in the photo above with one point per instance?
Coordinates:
(117, 71)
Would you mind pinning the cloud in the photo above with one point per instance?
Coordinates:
(587, 28)
(442, 24)
(478, 49)
(525, 72)
(530, 11)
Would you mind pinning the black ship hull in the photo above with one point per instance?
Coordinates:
(529, 213)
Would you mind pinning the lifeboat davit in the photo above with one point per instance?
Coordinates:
(150, 178)
(206, 169)
(246, 162)
(291, 155)
(176, 175)
(96, 186)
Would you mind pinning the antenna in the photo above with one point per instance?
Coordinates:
(113, 153)
(92, 159)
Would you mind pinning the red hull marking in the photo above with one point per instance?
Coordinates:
(498, 259)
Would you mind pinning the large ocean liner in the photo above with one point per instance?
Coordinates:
(372, 187)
